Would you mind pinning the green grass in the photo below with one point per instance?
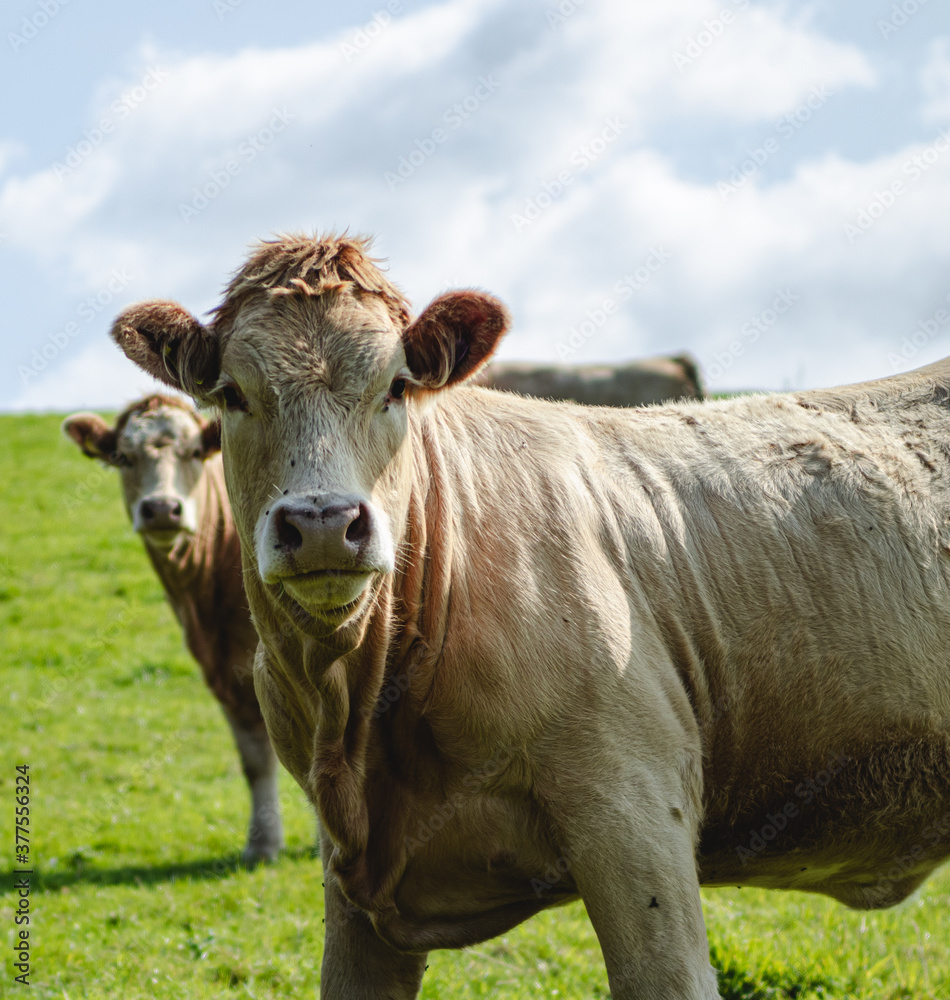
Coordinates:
(139, 807)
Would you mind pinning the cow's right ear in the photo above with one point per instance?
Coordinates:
(454, 337)
(92, 434)
(170, 344)
(211, 437)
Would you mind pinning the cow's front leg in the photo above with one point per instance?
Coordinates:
(265, 834)
(357, 963)
(630, 851)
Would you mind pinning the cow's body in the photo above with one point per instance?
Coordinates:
(550, 651)
(636, 383)
(761, 587)
(174, 492)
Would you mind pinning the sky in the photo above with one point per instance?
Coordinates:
(765, 185)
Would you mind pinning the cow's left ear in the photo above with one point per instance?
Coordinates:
(211, 437)
(95, 438)
(170, 344)
(454, 337)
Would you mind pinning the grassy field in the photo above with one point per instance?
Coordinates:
(139, 809)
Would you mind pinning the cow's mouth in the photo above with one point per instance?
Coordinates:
(163, 537)
(326, 591)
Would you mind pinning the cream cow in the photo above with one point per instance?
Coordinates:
(634, 383)
(520, 652)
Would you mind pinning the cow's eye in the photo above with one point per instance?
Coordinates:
(234, 398)
(398, 388)
(121, 460)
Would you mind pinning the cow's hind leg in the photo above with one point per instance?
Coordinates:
(265, 835)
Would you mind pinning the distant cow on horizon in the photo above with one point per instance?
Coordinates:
(633, 383)
(169, 460)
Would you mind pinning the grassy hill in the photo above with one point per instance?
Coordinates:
(138, 808)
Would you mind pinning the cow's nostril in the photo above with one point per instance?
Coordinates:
(161, 513)
(360, 528)
(288, 537)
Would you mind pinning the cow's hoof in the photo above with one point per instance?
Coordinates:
(254, 854)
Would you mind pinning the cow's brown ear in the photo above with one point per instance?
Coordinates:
(455, 335)
(93, 435)
(170, 344)
(211, 437)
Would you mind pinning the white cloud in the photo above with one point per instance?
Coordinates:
(493, 115)
(758, 64)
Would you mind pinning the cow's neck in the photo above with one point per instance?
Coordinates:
(397, 641)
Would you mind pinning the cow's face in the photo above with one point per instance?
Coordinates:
(313, 393)
(159, 451)
(316, 393)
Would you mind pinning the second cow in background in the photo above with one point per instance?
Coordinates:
(169, 460)
(637, 383)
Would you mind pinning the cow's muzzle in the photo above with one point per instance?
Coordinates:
(159, 516)
(323, 549)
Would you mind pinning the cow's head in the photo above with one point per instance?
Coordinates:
(316, 368)
(159, 445)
